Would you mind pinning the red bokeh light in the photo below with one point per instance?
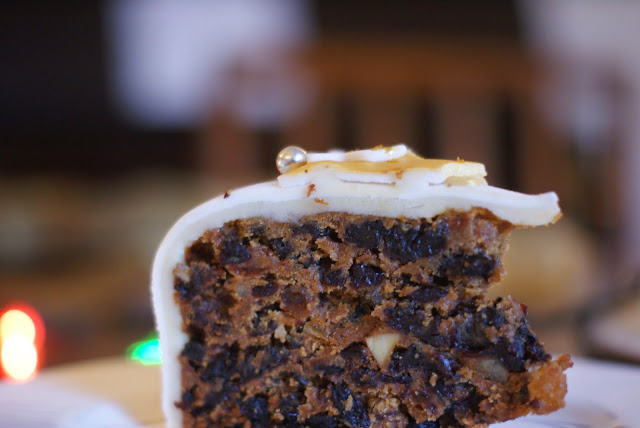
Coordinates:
(21, 338)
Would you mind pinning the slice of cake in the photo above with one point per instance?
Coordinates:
(351, 292)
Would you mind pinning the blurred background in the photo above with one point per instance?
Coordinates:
(118, 116)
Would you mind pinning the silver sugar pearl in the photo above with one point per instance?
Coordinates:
(290, 158)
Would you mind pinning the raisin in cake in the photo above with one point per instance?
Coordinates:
(351, 292)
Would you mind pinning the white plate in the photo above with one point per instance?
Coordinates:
(601, 395)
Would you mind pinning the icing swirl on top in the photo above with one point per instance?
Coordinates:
(384, 165)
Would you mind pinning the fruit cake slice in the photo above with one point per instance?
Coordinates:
(351, 292)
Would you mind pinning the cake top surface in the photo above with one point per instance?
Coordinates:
(383, 181)
(383, 165)
(419, 187)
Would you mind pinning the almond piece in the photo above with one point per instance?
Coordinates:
(381, 345)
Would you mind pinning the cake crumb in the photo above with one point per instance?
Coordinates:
(280, 333)
(277, 416)
(320, 201)
(433, 379)
(182, 272)
(310, 189)
(348, 404)
(227, 193)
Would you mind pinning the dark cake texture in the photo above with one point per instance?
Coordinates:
(282, 318)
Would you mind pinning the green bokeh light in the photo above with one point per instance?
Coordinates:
(146, 351)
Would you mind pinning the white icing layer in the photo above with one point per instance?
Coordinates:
(358, 183)
(380, 154)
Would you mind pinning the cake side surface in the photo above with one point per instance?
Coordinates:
(283, 320)
(355, 194)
